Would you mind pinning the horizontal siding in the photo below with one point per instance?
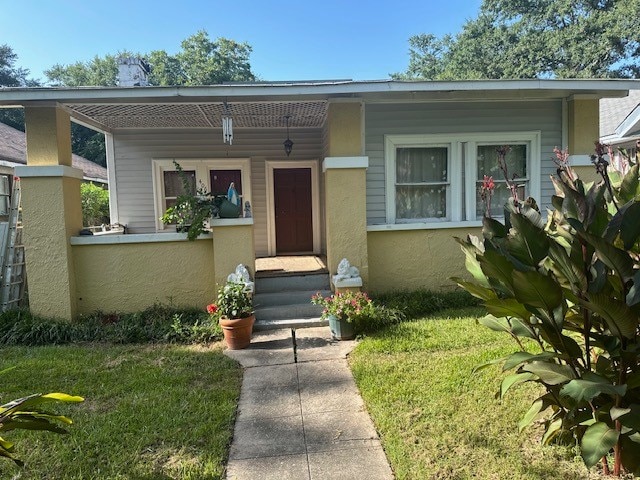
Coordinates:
(135, 149)
(455, 118)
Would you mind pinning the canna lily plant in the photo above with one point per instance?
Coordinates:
(567, 289)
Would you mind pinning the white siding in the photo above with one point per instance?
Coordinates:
(134, 150)
(453, 118)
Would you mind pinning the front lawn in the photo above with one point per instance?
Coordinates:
(151, 411)
(436, 419)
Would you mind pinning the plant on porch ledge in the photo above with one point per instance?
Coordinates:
(191, 213)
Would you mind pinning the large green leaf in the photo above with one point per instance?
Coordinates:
(616, 259)
(486, 364)
(474, 289)
(633, 297)
(553, 429)
(537, 290)
(497, 267)
(630, 185)
(563, 267)
(471, 261)
(586, 390)
(492, 228)
(497, 324)
(507, 307)
(597, 441)
(630, 227)
(549, 372)
(514, 379)
(630, 455)
(526, 242)
(621, 320)
(534, 410)
(518, 358)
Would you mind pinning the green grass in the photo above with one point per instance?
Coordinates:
(150, 412)
(436, 419)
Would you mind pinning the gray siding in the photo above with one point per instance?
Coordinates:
(134, 150)
(459, 117)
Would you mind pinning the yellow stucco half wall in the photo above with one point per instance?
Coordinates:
(51, 213)
(232, 245)
(344, 128)
(416, 259)
(48, 132)
(584, 125)
(132, 277)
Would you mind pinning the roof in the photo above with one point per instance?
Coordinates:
(266, 104)
(620, 118)
(13, 150)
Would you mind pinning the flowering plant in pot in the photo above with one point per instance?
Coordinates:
(234, 310)
(345, 311)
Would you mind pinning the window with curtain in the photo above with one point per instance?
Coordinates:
(174, 186)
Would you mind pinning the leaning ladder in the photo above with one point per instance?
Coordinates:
(13, 281)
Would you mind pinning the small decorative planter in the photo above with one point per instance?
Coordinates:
(237, 331)
(340, 329)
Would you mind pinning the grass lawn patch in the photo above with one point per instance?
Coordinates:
(150, 412)
(438, 420)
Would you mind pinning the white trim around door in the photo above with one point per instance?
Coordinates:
(272, 165)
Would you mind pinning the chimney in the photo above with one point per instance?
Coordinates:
(132, 72)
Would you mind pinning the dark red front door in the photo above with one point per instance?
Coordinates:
(292, 198)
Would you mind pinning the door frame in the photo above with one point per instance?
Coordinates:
(272, 165)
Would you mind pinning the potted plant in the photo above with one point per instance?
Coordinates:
(191, 212)
(345, 311)
(234, 309)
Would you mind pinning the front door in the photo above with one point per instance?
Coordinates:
(293, 212)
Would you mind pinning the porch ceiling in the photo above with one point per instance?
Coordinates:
(308, 114)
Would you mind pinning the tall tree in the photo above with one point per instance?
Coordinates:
(535, 39)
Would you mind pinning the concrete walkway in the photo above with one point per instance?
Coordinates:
(300, 415)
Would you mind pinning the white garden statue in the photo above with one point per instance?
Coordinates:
(241, 275)
(347, 276)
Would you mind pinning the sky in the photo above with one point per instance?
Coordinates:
(300, 40)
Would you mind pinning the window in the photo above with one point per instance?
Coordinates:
(435, 178)
(213, 175)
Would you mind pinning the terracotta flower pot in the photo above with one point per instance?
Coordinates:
(237, 331)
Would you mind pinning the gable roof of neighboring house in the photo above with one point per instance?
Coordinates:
(13, 152)
(620, 118)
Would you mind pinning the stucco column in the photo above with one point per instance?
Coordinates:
(583, 130)
(51, 212)
(232, 244)
(346, 188)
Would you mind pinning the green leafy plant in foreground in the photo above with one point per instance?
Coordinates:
(25, 413)
(570, 285)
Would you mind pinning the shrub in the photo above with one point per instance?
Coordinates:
(567, 289)
(418, 303)
(95, 204)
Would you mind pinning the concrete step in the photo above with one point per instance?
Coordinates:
(298, 310)
(261, 300)
(314, 281)
(290, 323)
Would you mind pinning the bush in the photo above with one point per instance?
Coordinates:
(159, 323)
(95, 204)
(418, 303)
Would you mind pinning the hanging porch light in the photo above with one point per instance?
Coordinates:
(288, 144)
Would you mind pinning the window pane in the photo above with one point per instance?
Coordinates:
(500, 196)
(418, 165)
(516, 161)
(421, 201)
(221, 179)
(173, 183)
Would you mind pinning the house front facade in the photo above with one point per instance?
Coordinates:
(384, 174)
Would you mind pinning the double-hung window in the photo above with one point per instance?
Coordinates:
(436, 178)
(212, 175)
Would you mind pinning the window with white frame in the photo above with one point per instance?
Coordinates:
(212, 175)
(435, 178)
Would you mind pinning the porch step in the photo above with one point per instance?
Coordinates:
(290, 323)
(285, 301)
(288, 283)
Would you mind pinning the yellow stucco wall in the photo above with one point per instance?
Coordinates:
(51, 213)
(584, 125)
(587, 174)
(414, 259)
(232, 245)
(131, 277)
(344, 126)
(346, 219)
(48, 136)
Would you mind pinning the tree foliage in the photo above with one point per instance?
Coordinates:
(200, 61)
(534, 39)
(568, 291)
(95, 204)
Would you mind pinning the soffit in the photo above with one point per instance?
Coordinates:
(303, 114)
